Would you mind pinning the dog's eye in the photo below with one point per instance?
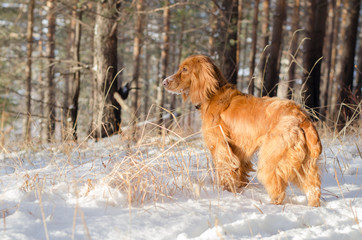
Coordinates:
(184, 69)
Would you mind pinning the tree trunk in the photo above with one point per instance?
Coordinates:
(293, 48)
(75, 85)
(253, 47)
(146, 86)
(272, 67)
(28, 70)
(213, 26)
(41, 88)
(137, 45)
(346, 67)
(50, 88)
(315, 30)
(265, 42)
(227, 46)
(164, 63)
(245, 45)
(359, 71)
(106, 111)
(238, 31)
(331, 97)
(179, 56)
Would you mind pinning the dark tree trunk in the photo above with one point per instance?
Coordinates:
(265, 40)
(227, 46)
(239, 30)
(359, 72)
(50, 88)
(75, 88)
(253, 47)
(315, 30)
(28, 70)
(272, 67)
(346, 67)
(106, 110)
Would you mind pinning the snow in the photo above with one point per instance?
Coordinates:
(163, 189)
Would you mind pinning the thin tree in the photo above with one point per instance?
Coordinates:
(348, 50)
(106, 115)
(315, 31)
(213, 29)
(41, 88)
(164, 61)
(245, 44)
(146, 86)
(272, 66)
(137, 46)
(253, 47)
(179, 48)
(50, 88)
(293, 48)
(77, 14)
(28, 70)
(239, 33)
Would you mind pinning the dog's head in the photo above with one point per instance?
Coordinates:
(197, 78)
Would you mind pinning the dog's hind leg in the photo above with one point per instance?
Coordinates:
(279, 156)
(308, 180)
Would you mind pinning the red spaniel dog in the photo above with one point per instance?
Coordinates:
(236, 125)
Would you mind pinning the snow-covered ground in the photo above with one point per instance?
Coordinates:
(166, 191)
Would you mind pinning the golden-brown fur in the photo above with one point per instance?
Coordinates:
(236, 125)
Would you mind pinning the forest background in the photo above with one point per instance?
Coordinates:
(83, 68)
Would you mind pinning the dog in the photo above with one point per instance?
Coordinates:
(236, 125)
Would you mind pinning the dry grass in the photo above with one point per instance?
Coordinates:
(161, 168)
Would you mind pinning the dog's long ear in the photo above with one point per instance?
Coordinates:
(206, 80)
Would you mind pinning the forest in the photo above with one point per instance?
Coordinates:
(87, 68)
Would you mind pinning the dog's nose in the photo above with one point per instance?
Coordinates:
(165, 82)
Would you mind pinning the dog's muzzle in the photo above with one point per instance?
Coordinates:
(167, 81)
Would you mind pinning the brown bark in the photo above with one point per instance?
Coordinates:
(164, 62)
(106, 111)
(331, 97)
(50, 88)
(272, 67)
(346, 67)
(253, 47)
(28, 70)
(315, 30)
(213, 26)
(137, 45)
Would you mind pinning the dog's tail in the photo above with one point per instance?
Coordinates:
(313, 142)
